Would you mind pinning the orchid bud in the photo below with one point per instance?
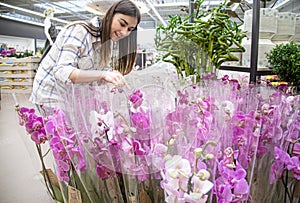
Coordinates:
(203, 174)
(132, 129)
(228, 152)
(198, 151)
(171, 141)
(106, 129)
(209, 156)
(126, 130)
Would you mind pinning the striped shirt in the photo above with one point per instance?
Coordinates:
(74, 48)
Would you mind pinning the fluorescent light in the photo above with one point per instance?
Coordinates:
(22, 9)
(92, 10)
(32, 12)
(281, 4)
(156, 13)
(142, 6)
(175, 4)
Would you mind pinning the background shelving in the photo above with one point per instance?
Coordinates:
(16, 75)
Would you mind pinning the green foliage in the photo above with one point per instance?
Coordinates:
(208, 41)
(22, 54)
(285, 62)
(57, 193)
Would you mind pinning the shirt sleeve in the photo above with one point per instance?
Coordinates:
(72, 45)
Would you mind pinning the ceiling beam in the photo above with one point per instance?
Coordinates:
(156, 13)
(32, 12)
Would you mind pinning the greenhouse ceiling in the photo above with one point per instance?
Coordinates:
(155, 12)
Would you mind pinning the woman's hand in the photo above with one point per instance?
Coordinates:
(83, 76)
(114, 77)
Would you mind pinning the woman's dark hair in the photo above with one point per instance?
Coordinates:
(127, 45)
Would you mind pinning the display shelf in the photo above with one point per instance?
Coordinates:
(253, 69)
(19, 60)
(259, 72)
(16, 74)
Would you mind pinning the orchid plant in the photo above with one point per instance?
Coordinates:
(217, 141)
(64, 147)
(34, 126)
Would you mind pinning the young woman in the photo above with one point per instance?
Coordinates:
(82, 53)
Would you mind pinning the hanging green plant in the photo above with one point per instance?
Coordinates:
(196, 47)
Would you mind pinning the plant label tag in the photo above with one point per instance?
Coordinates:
(74, 195)
(144, 197)
(51, 175)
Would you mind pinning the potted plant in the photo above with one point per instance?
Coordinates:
(200, 42)
(285, 63)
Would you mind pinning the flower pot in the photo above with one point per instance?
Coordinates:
(267, 23)
(267, 29)
(264, 46)
(285, 27)
(296, 37)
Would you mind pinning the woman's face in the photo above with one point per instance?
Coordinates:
(121, 26)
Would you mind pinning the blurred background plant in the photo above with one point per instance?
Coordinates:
(201, 42)
(285, 63)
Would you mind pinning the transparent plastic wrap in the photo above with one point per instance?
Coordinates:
(118, 131)
(158, 139)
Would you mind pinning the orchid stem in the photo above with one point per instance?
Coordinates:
(46, 153)
(45, 173)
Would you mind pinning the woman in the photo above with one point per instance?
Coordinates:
(82, 53)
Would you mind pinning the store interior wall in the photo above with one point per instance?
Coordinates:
(19, 29)
(146, 38)
(22, 36)
(22, 44)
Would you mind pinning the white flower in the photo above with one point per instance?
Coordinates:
(203, 174)
(177, 167)
(228, 107)
(101, 121)
(200, 188)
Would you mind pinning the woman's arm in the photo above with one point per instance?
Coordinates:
(73, 44)
(84, 76)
